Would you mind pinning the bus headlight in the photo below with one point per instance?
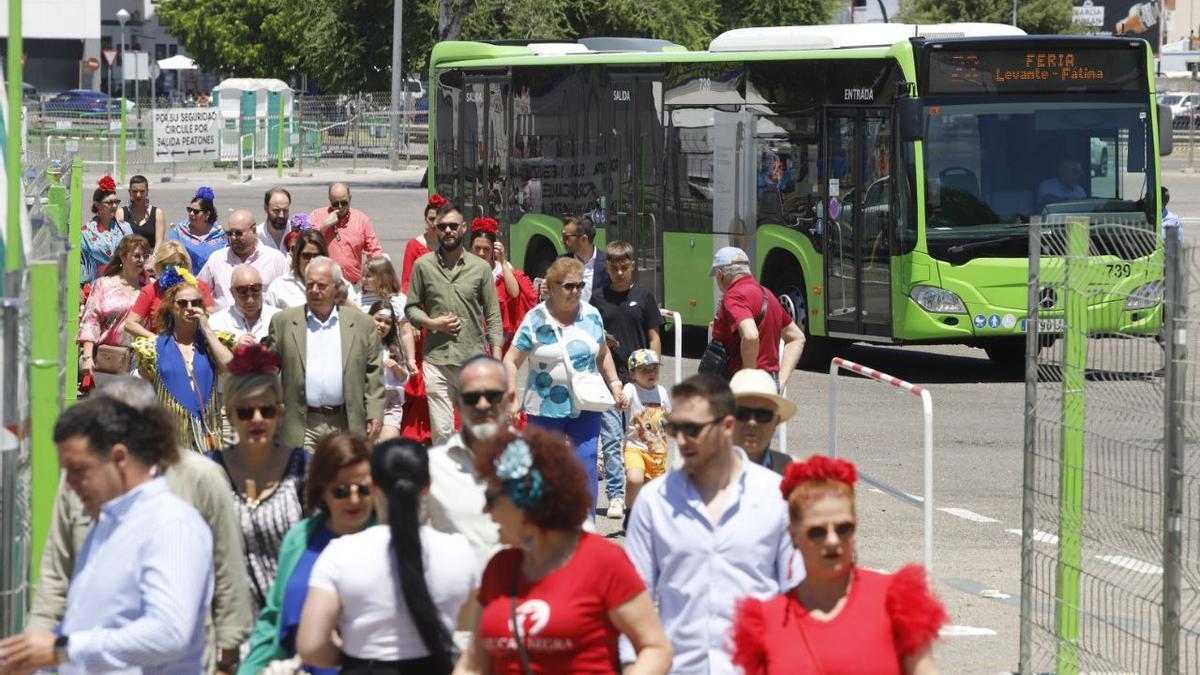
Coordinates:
(1145, 296)
(937, 300)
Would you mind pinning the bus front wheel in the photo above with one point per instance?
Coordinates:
(818, 350)
(1007, 354)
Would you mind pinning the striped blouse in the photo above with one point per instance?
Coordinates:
(265, 522)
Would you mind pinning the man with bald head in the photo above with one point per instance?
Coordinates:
(244, 248)
(247, 317)
(348, 232)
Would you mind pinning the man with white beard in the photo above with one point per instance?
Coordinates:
(456, 492)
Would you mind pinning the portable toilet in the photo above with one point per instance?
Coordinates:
(254, 107)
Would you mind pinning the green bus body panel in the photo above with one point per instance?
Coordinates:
(531, 226)
(777, 238)
(687, 288)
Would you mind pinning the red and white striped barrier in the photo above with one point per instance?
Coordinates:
(926, 502)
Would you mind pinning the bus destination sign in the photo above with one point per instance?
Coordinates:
(1024, 71)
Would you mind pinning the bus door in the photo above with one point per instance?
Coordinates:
(485, 131)
(859, 221)
(637, 146)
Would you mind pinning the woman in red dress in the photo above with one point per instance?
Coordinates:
(514, 290)
(558, 598)
(842, 619)
(415, 424)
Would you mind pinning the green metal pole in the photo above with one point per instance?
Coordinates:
(74, 237)
(44, 388)
(123, 125)
(1070, 525)
(279, 145)
(12, 155)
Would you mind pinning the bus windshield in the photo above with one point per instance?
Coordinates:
(991, 169)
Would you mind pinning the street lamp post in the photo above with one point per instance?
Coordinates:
(122, 18)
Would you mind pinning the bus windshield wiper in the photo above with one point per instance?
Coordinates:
(985, 243)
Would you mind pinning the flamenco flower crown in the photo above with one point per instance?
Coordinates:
(522, 482)
(300, 222)
(817, 467)
(253, 359)
(173, 276)
(205, 193)
(436, 201)
(107, 184)
(488, 225)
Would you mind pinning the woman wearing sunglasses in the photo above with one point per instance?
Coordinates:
(337, 501)
(392, 592)
(842, 619)
(199, 233)
(102, 233)
(184, 360)
(288, 290)
(107, 308)
(563, 325)
(266, 478)
(169, 254)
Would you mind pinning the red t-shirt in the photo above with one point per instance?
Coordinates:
(563, 615)
(149, 299)
(743, 300)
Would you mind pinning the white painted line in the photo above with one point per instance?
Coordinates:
(965, 631)
(994, 594)
(1038, 536)
(1131, 564)
(875, 489)
(968, 515)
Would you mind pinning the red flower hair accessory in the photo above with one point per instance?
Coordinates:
(107, 184)
(254, 359)
(488, 225)
(436, 201)
(817, 467)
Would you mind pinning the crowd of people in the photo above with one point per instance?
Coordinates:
(292, 458)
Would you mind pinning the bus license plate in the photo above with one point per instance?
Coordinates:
(1045, 325)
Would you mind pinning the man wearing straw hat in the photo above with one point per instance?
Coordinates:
(759, 411)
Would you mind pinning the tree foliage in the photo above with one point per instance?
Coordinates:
(345, 45)
(1039, 17)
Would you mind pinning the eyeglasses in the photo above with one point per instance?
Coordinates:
(576, 286)
(760, 415)
(237, 234)
(247, 291)
(493, 396)
(198, 303)
(447, 225)
(819, 533)
(344, 491)
(111, 202)
(267, 411)
(192, 212)
(339, 204)
(308, 256)
(490, 496)
(689, 429)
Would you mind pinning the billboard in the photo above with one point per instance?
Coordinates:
(1123, 17)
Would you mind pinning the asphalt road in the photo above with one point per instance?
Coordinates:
(977, 426)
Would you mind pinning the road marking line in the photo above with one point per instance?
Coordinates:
(968, 515)
(965, 631)
(1131, 564)
(1038, 536)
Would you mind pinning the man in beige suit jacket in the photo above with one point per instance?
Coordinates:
(330, 363)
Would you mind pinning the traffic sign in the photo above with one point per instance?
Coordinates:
(110, 56)
(92, 64)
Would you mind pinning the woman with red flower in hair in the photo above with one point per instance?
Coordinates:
(416, 407)
(842, 619)
(102, 233)
(514, 290)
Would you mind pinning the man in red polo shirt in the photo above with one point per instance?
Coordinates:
(348, 232)
(750, 321)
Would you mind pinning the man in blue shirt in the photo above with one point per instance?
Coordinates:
(704, 536)
(1064, 186)
(144, 579)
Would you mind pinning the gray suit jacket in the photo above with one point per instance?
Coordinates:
(362, 369)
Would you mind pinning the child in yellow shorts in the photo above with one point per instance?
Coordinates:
(645, 440)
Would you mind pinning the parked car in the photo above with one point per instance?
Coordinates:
(85, 101)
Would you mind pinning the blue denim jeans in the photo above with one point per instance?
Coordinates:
(612, 450)
(584, 432)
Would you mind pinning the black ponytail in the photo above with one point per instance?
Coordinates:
(400, 467)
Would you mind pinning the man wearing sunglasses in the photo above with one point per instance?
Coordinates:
(348, 232)
(579, 238)
(759, 411)
(709, 533)
(248, 318)
(244, 249)
(456, 492)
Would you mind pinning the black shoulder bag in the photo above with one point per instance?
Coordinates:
(516, 624)
(715, 359)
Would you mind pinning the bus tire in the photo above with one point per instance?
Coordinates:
(539, 255)
(818, 350)
(1007, 355)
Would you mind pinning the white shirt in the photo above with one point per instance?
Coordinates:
(375, 622)
(218, 271)
(455, 500)
(646, 428)
(589, 273)
(288, 291)
(323, 362)
(264, 237)
(233, 321)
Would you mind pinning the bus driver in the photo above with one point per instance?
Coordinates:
(1063, 187)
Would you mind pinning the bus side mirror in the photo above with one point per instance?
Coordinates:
(1165, 141)
(912, 117)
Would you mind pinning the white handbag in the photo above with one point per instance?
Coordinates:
(589, 391)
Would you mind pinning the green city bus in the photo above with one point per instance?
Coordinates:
(882, 177)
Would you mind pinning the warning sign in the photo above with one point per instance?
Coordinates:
(186, 133)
